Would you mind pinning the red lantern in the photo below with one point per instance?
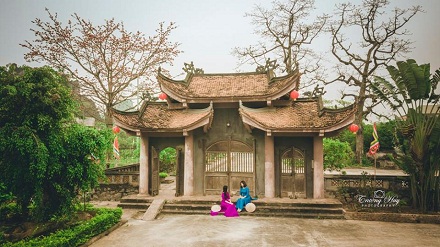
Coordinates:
(294, 95)
(162, 96)
(353, 128)
(116, 129)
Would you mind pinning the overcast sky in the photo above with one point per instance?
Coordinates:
(208, 30)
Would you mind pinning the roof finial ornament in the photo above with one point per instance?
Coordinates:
(190, 69)
(317, 91)
(271, 65)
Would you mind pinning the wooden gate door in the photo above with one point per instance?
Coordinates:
(228, 163)
(154, 174)
(293, 173)
(179, 172)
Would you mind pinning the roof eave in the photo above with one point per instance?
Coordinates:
(204, 121)
(321, 131)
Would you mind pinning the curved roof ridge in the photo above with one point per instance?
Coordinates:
(326, 109)
(229, 87)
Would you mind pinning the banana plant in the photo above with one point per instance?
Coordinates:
(412, 96)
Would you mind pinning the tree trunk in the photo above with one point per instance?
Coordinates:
(360, 132)
(108, 117)
(359, 144)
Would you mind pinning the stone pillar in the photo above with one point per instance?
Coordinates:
(269, 167)
(188, 180)
(318, 167)
(143, 165)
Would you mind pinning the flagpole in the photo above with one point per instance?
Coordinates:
(374, 147)
(375, 170)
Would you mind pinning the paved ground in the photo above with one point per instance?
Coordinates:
(205, 230)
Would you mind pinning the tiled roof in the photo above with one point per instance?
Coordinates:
(157, 117)
(299, 116)
(229, 87)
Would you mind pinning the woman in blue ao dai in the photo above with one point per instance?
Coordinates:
(245, 197)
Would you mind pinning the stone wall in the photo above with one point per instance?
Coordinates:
(112, 192)
(121, 181)
(394, 217)
(363, 192)
(333, 183)
(123, 175)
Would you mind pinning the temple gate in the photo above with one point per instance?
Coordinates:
(232, 127)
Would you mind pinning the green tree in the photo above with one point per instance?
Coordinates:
(337, 154)
(167, 159)
(285, 31)
(412, 96)
(110, 63)
(347, 136)
(380, 37)
(386, 132)
(45, 157)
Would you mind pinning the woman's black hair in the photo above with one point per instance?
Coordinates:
(225, 189)
(244, 184)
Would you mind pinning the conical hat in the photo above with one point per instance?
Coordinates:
(216, 208)
(250, 207)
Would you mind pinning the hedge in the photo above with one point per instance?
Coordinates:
(78, 235)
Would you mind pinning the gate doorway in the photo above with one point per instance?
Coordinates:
(293, 173)
(169, 160)
(228, 163)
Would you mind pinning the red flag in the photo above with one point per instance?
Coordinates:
(374, 146)
(116, 148)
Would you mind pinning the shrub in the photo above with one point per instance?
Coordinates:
(337, 154)
(163, 175)
(78, 235)
(167, 159)
(9, 212)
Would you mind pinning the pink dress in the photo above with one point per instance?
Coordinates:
(227, 206)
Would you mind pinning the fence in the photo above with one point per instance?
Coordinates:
(123, 175)
(333, 182)
(121, 181)
(127, 177)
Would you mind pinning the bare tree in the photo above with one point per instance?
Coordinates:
(381, 39)
(110, 63)
(284, 35)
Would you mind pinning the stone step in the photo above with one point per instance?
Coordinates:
(259, 203)
(260, 208)
(295, 215)
(299, 204)
(260, 214)
(127, 205)
(266, 210)
(205, 202)
(294, 209)
(136, 200)
(187, 207)
(299, 209)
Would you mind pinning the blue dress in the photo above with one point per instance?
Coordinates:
(241, 202)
